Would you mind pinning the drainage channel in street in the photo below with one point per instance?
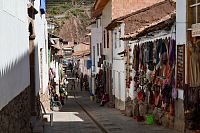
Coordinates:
(101, 127)
(103, 124)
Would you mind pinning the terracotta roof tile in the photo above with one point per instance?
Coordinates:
(152, 16)
(138, 21)
(163, 23)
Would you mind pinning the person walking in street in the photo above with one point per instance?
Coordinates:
(81, 81)
(66, 82)
(62, 94)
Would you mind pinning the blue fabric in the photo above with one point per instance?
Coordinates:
(161, 49)
(43, 6)
(89, 64)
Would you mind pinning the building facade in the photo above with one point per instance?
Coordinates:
(188, 52)
(119, 71)
(20, 82)
(96, 48)
(109, 10)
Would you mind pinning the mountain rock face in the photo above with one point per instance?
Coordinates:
(70, 17)
(74, 28)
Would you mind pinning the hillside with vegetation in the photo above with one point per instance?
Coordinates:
(70, 17)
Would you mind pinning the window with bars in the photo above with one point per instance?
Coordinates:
(107, 39)
(115, 39)
(97, 49)
(119, 37)
(194, 12)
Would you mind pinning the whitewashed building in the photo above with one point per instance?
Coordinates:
(96, 48)
(110, 10)
(105, 63)
(118, 69)
(41, 41)
(20, 80)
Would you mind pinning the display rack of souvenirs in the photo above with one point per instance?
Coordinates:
(154, 84)
(128, 68)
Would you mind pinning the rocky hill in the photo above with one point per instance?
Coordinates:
(71, 17)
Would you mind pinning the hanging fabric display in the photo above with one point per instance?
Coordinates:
(154, 65)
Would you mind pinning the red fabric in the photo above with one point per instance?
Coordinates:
(167, 71)
(140, 96)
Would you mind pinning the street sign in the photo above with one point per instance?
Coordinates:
(196, 30)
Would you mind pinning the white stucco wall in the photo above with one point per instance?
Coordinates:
(181, 31)
(106, 19)
(41, 41)
(14, 49)
(119, 73)
(83, 65)
(96, 38)
(181, 21)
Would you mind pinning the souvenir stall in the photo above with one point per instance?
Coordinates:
(129, 70)
(153, 71)
(99, 85)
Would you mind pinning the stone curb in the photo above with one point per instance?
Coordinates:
(100, 126)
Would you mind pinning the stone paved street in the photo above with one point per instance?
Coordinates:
(72, 119)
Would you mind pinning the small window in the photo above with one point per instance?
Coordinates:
(97, 23)
(194, 12)
(100, 49)
(115, 39)
(97, 49)
(119, 37)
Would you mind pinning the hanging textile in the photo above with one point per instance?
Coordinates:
(194, 66)
(172, 52)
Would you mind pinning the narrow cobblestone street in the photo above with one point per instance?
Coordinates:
(73, 119)
(100, 66)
